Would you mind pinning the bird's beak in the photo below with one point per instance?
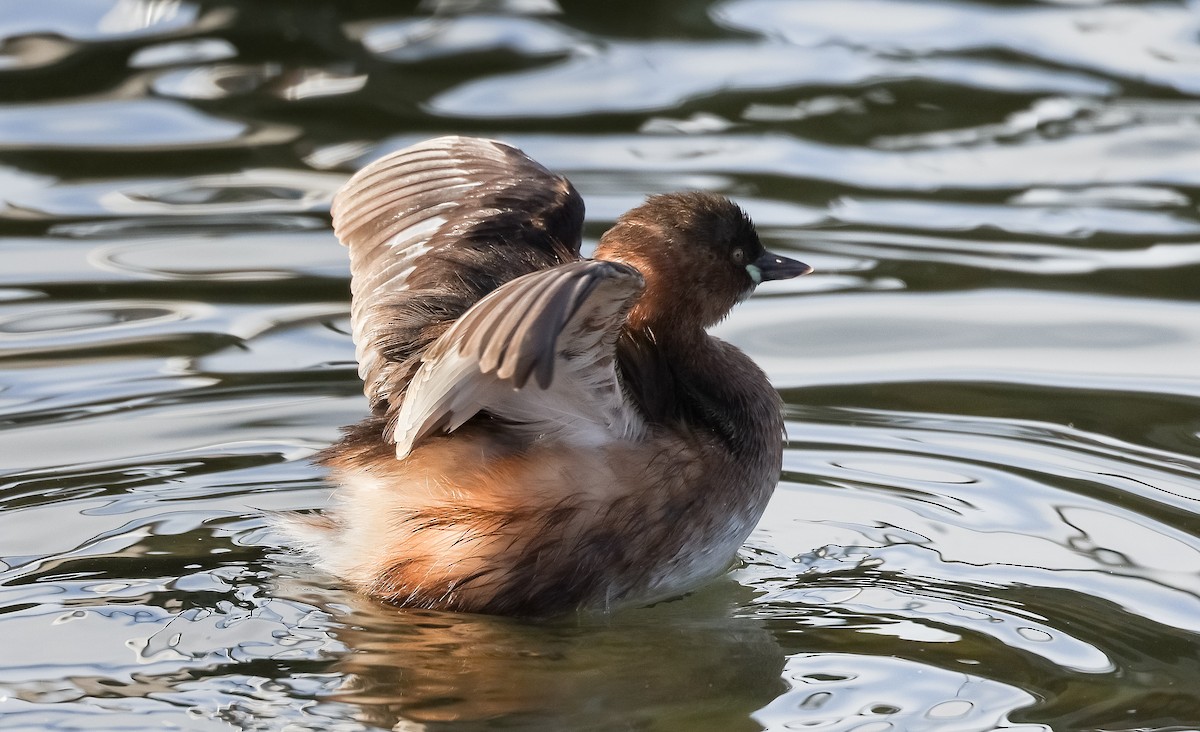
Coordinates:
(771, 266)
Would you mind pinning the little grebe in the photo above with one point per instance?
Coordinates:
(549, 433)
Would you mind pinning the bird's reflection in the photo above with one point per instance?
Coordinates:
(691, 663)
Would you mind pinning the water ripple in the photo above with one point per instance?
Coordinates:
(145, 124)
(988, 517)
(839, 691)
(1149, 43)
(106, 20)
(1112, 157)
(626, 78)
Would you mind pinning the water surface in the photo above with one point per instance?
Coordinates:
(990, 508)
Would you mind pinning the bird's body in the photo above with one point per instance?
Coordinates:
(550, 433)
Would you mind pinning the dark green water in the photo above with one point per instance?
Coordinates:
(990, 510)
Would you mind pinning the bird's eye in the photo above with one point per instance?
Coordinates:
(739, 256)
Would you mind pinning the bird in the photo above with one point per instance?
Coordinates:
(548, 433)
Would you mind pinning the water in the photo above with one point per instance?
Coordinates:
(990, 507)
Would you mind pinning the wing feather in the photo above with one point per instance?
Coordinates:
(431, 230)
(538, 353)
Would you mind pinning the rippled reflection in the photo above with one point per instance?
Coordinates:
(439, 669)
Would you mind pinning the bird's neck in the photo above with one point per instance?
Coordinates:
(695, 380)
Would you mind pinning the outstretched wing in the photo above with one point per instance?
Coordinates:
(539, 353)
(432, 229)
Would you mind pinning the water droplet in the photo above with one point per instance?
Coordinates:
(1035, 635)
(68, 617)
(874, 727)
(949, 709)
